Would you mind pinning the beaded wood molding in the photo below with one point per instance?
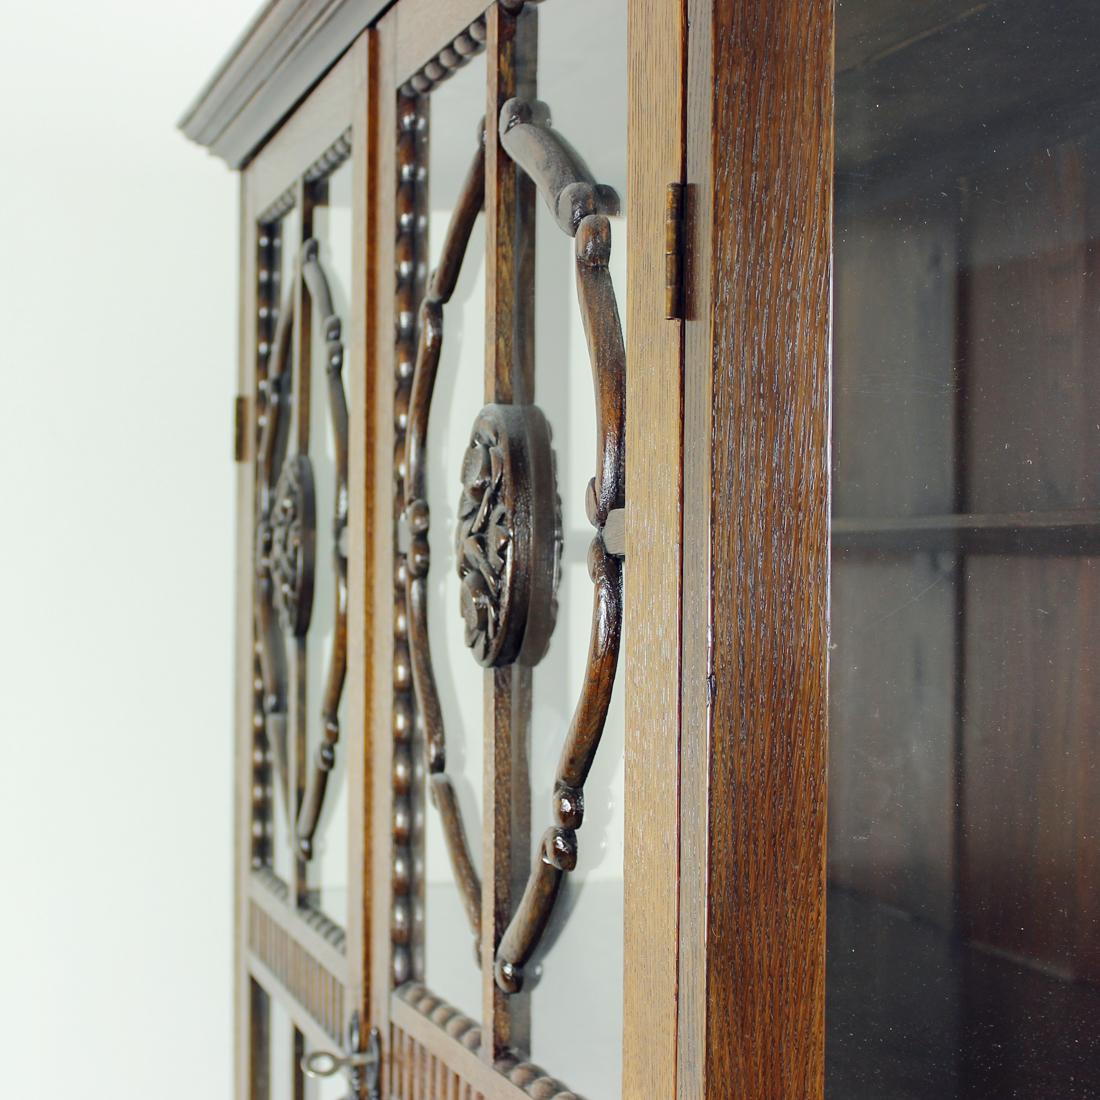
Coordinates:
(453, 56)
(412, 1065)
(456, 53)
(324, 165)
(406, 867)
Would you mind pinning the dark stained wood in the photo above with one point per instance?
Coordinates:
(509, 377)
(557, 170)
(756, 551)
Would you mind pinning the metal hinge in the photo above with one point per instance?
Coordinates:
(674, 251)
(240, 414)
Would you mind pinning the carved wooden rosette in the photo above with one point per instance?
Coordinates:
(508, 541)
(509, 538)
(285, 544)
(288, 541)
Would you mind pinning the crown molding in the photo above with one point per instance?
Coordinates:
(283, 52)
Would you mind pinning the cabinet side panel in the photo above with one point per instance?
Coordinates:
(756, 559)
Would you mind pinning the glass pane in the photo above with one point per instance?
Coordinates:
(282, 1053)
(285, 240)
(578, 1039)
(328, 869)
(964, 771)
(451, 965)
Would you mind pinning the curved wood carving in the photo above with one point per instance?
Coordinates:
(285, 545)
(441, 287)
(325, 760)
(581, 208)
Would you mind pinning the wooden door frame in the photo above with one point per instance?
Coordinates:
(756, 549)
(315, 968)
(410, 43)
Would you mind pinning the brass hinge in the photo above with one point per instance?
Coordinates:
(240, 414)
(674, 251)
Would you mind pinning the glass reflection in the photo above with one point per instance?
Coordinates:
(964, 864)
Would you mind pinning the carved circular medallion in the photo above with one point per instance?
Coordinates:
(292, 526)
(509, 538)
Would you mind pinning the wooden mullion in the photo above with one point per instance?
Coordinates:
(509, 377)
(299, 703)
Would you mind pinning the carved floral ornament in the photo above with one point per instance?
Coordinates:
(508, 540)
(286, 525)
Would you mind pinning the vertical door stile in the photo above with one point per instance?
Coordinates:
(509, 378)
(253, 1006)
(652, 576)
(756, 549)
(365, 613)
(382, 505)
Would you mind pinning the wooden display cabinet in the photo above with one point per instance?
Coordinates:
(667, 550)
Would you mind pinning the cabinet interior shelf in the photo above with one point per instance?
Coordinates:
(1067, 532)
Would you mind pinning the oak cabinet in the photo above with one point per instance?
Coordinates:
(668, 526)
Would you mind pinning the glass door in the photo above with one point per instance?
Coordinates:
(964, 764)
(500, 746)
(301, 752)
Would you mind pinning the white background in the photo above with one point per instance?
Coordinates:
(117, 352)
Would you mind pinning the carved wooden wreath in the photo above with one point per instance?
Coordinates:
(285, 541)
(509, 529)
